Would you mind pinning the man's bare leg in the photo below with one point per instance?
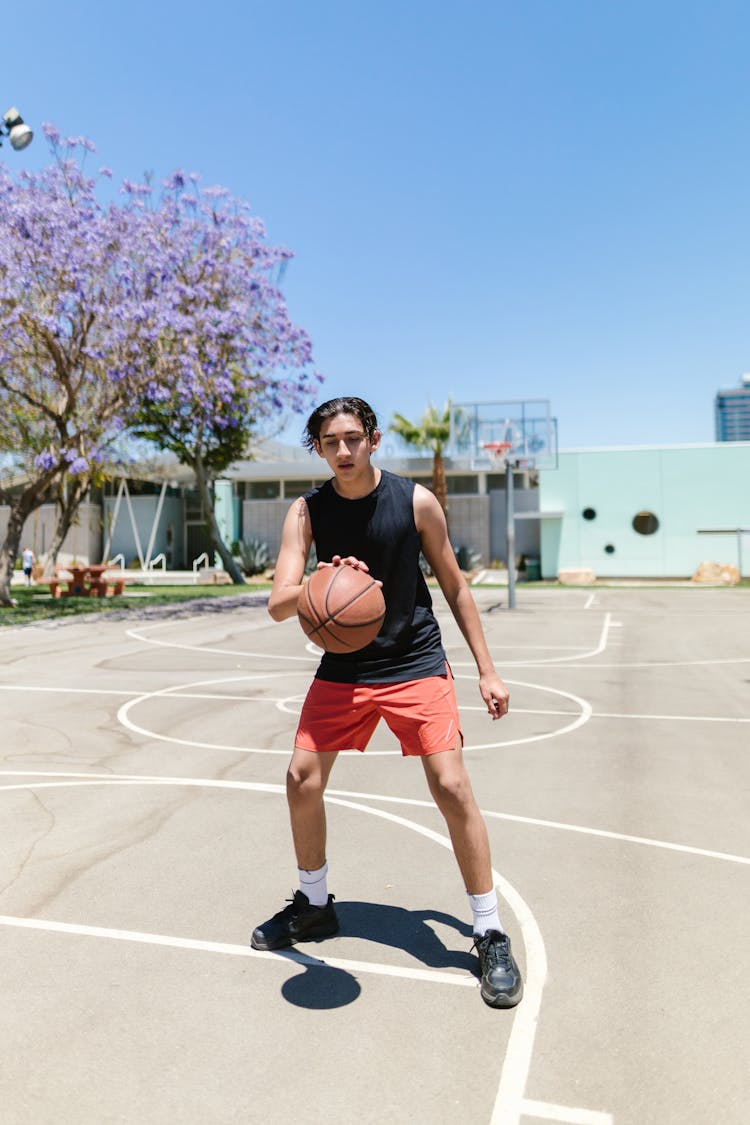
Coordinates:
(302, 920)
(306, 782)
(451, 790)
(501, 983)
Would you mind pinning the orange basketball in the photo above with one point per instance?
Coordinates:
(341, 609)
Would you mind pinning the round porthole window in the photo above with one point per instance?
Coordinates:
(609, 549)
(645, 523)
(589, 513)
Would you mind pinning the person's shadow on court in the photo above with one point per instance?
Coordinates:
(325, 986)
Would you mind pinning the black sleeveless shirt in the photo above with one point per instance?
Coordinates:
(379, 529)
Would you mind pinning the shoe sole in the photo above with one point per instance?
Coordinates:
(502, 999)
(288, 942)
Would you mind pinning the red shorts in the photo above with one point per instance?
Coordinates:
(423, 715)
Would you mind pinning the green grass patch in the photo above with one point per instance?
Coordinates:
(35, 604)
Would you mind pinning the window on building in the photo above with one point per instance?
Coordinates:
(496, 482)
(609, 549)
(262, 490)
(463, 485)
(589, 513)
(193, 504)
(295, 488)
(645, 523)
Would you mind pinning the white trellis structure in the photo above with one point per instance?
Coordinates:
(144, 555)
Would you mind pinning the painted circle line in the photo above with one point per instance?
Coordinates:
(123, 717)
(138, 635)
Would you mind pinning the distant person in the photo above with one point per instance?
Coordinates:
(373, 520)
(27, 562)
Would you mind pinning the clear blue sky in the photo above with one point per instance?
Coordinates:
(537, 199)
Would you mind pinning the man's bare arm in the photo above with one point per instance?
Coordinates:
(439, 553)
(296, 539)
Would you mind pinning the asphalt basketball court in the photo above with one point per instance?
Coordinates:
(145, 834)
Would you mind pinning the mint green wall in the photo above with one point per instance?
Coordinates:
(686, 488)
(225, 514)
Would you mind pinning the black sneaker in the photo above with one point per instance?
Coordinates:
(502, 986)
(299, 921)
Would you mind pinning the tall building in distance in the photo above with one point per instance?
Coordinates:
(732, 412)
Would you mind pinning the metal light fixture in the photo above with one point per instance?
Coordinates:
(16, 128)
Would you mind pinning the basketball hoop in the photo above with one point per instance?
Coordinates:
(498, 450)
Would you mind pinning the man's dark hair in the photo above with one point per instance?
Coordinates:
(331, 409)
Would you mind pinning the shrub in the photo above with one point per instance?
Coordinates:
(467, 558)
(255, 555)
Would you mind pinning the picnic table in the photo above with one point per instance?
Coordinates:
(84, 582)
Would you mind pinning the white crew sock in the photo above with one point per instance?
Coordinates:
(484, 909)
(314, 884)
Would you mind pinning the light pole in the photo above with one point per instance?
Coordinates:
(14, 127)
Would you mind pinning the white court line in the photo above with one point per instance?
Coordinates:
(569, 661)
(580, 652)
(84, 779)
(603, 714)
(179, 692)
(584, 714)
(522, 1106)
(514, 1074)
(560, 825)
(431, 976)
(569, 1116)
(670, 718)
(647, 841)
(642, 664)
(137, 634)
(69, 690)
(586, 654)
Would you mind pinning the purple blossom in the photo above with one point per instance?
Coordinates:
(159, 301)
(175, 182)
(80, 142)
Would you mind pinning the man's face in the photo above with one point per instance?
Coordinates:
(344, 444)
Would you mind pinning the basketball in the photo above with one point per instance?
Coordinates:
(341, 609)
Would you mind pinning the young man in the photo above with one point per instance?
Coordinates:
(373, 520)
(27, 562)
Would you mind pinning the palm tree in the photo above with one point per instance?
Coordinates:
(432, 432)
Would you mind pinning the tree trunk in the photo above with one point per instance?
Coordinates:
(206, 494)
(439, 484)
(21, 507)
(68, 503)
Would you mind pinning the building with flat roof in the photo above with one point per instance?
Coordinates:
(632, 512)
(646, 511)
(732, 412)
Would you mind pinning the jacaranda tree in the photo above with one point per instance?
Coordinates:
(109, 309)
(224, 360)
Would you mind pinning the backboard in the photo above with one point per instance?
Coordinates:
(524, 423)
